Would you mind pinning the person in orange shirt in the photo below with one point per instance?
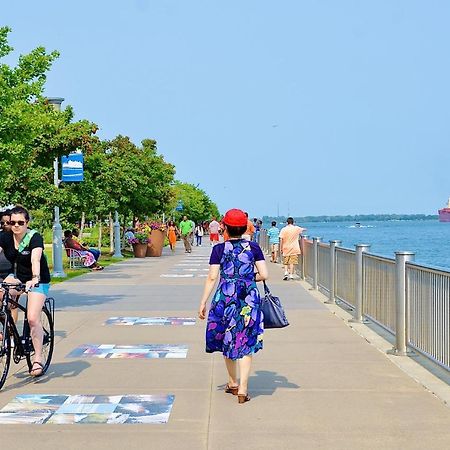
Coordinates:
(290, 247)
(250, 231)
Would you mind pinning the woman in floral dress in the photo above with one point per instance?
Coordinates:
(235, 320)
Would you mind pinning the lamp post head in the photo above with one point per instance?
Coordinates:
(55, 102)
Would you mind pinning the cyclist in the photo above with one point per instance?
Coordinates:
(24, 248)
(5, 265)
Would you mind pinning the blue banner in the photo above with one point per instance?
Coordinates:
(72, 168)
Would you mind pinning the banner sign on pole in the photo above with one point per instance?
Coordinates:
(72, 168)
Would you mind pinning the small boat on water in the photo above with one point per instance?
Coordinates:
(444, 213)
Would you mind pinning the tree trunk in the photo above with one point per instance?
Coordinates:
(83, 220)
(99, 222)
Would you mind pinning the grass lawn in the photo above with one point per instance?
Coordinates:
(105, 260)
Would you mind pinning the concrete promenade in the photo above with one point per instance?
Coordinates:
(316, 385)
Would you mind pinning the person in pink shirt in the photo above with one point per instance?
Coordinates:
(214, 231)
(290, 247)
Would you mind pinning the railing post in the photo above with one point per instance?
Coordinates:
(117, 252)
(303, 238)
(333, 245)
(358, 314)
(401, 324)
(316, 241)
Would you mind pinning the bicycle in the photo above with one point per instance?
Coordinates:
(23, 345)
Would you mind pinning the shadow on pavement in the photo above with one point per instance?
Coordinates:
(66, 299)
(266, 382)
(63, 370)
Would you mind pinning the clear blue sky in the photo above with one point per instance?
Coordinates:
(307, 107)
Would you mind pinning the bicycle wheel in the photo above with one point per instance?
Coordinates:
(5, 350)
(48, 341)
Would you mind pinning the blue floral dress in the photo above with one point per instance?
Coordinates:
(235, 321)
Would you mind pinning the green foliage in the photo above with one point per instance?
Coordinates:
(196, 203)
(32, 132)
(118, 175)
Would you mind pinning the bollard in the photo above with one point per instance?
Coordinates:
(117, 250)
(303, 239)
(358, 314)
(401, 323)
(333, 245)
(316, 241)
(58, 269)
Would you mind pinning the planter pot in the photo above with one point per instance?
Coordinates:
(139, 250)
(155, 246)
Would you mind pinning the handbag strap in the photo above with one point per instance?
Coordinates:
(266, 288)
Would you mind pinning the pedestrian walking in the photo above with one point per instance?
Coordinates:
(274, 239)
(249, 231)
(214, 231)
(199, 234)
(172, 232)
(191, 234)
(235, 321)
(290, 247)
(185, 230)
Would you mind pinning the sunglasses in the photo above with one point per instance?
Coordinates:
(6, 222)
(17, 222)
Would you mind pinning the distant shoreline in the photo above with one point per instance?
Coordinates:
(354, 218)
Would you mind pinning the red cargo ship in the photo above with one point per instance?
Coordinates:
(444, 213)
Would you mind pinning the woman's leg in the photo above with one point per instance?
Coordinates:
(245, 365)
(14, 296)
(34, 307)
(231, 369)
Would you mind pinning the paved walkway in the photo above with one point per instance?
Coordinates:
(316, 385)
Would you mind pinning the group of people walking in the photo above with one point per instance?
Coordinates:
(235, 322)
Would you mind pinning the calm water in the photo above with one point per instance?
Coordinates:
(428, 239)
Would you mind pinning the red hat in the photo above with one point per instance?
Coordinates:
(235, 218)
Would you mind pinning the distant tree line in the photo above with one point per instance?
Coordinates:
(353, 218)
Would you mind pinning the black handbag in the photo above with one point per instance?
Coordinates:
(274, 315)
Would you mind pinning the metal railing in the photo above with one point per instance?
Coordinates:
(429, 312)
(410, 301)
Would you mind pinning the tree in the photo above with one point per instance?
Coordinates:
(32, 132)
(196, 203)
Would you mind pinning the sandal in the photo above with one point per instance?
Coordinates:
(242, 398)
(39, 369)
(231, 389)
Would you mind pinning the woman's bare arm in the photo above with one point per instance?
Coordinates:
(211, 279)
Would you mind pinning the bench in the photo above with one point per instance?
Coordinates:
(76, 260)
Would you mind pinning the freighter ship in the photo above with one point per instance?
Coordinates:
(444, 213)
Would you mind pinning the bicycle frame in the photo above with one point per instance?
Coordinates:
(22, 343)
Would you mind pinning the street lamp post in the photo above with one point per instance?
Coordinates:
(58, 270)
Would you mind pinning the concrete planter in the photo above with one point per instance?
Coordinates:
(156, 244)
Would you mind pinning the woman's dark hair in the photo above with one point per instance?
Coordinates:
(236, 231)
(18, 209)
(170, 224)
(6, 212)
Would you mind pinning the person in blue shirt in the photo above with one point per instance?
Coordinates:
(273, 232)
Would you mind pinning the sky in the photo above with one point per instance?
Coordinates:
(318, 107)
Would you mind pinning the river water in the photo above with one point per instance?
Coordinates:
(428, 239)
